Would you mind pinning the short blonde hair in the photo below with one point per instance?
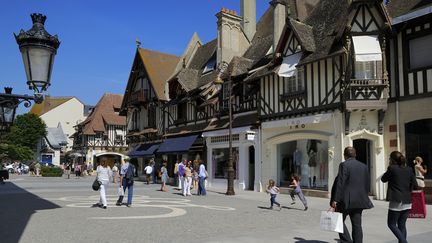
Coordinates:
(126, 158)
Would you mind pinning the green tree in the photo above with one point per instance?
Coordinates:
(26, 131)
(15, 152)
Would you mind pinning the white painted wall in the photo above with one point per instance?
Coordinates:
(68, 115)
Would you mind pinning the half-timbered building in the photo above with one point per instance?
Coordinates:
(409, 119)
(198, 110)
(145, 94)
(102, 133)
(326, 88)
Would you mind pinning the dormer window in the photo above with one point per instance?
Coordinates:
(368, 57)
(210, 66)
(292, 74)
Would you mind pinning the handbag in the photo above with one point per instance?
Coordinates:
(96, 185)
(418, 206)
(120, 191)
(331, 221)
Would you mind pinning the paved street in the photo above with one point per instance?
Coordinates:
(59, 210)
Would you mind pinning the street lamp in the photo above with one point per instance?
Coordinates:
(38, 49)
(224, 69)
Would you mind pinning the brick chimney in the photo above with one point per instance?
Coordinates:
(248, 13)
(231, 39)
(279, 17)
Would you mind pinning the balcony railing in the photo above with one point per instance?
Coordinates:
(138, 97)
(366, 94)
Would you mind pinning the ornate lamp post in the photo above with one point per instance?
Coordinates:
(224, 69)
(38, 49)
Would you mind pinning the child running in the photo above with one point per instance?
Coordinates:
(295, 183)
(273, 190)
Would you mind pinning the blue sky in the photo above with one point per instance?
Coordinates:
(98, 38)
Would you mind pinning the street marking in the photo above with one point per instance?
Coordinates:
(176, 206)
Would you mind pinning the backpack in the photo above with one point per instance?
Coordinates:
(130, 174)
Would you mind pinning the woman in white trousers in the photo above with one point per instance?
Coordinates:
(187, 180)
(104, 175)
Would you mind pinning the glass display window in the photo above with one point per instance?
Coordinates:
(220, 158)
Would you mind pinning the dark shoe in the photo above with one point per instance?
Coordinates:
(118, 204)
(293, 202)
(306, 208)
(96, 205)
(104, 207)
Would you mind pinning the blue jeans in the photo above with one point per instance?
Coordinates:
(130, 190)
(273, 200)
(201, 186)
(396, 222)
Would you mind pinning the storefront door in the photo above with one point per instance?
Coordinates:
(363, 151)
(251, 168)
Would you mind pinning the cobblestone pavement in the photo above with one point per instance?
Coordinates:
(59, 210)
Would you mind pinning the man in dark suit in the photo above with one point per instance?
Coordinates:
(350, 194)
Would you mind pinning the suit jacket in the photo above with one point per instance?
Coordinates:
(401, 181)
(352, 186)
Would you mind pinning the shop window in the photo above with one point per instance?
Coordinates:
(306, 158)
(420, 53)
(220, 162)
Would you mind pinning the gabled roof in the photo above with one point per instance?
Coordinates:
(262, 40)
(159, 67)
(104, 114)
(191, 77)
(56, 137)
(327, 20)
(304, 34)
(48, 104)
(401, 7)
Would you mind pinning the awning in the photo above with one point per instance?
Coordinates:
(144, 150)
(298, 121)
(367, 48)
(288, 66)
(177, 145)
(225, 132)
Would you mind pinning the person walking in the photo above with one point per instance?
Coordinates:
(295, 184)
(187, 179)
(401, 182)
(273, 190)
(148, 170)
(176, 177)
(181, 172)
(103, 174)
(352, 194)
(127, 181)
(68, 170)
(164, 176)
(115, 171)
(154, 172)
(202, 175)
(420, 171)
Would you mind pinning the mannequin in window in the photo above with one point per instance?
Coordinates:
(312, 168)
(297, 159)
(322, 161)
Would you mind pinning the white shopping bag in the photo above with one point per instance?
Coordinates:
(120, 191)
(331, 221)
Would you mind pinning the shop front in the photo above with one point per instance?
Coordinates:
(245, 148)
(309, 147)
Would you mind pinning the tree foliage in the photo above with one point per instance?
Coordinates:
(26, 131)
(15, 152)
(20, 143)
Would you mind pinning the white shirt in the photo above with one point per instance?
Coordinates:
(148, 169)
(104, 174)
